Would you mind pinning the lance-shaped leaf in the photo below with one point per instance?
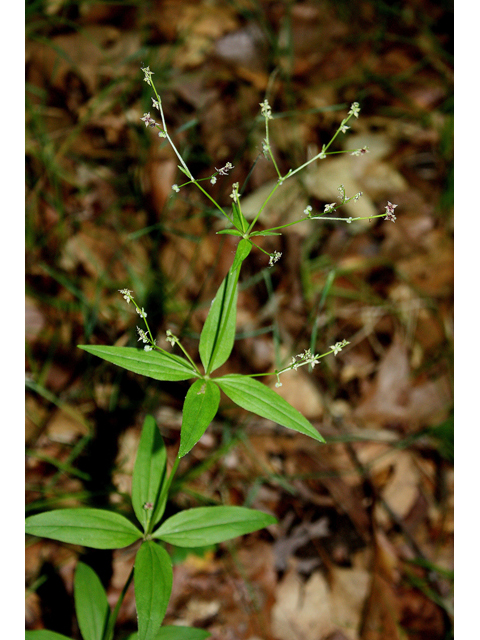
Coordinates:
(199, 409)
(218, 333)
(174, 632)
(148, 474)
(209, 525)
(157, 364)
(153, 577)
(243, 249)
(260, 399)
(94, 528)
(238, 218)
(91, 603)
(43, 634)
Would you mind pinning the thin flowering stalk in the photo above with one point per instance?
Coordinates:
(354, 111)
(173, 340)
(303, 359)
(184, 165)
(267, 114)
(252, 224)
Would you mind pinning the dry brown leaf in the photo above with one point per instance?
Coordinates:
(394, 398)
(349, 590)
(65, 427)
(299, 391)
(302, 610)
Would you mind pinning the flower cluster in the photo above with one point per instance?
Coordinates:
(266, 110)
(338, 346)
(354, 109)
(223, 171)
(360, 152)
(171, 338)
(147, 75)
(389, 212)
(127, 294)
(299, 360)
(329, 207)
(235, 195)
(274, 257)
(148, 120)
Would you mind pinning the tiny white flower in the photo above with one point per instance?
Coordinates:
(127, 294)
(162, 134)
(274, 257)
(354, 109)
(141, 312)
(171, 338)
(235, 195)
(142, 336)
(338, 346)
(308, 211)
(155, 104)
(148, 120)
(360, 152)
(329, 207)
(344, 128)
(148, 75)
(266, 110)
(176, 188)
(389, 212)
(213, 179)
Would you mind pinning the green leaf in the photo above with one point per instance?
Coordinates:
(94, 528)
(238, 218)
(218, 333)
(149, 473)
(260, 399)
(172, 632)
(91, 603)
(199, 409)
(243, 249)
(159, 365)
(266, 233)
(153, 578)
(209, 525)
(229, 232)
(43, 634)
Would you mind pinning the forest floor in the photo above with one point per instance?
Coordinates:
(364, 545)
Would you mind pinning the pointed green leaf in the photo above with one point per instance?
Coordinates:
(260, 399)
(209, 525)
(149, 473)
(238, 218)
(265, 233)
(218, 333)
(174, 632)
(91, 603)
(171, 632)
(94, 528)
(243, 249)
(229, 232)
(43, 634)
(157, 364)
(153, 577)
(199, 409)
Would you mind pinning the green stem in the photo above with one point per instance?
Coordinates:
(263, 207)
(165, 489)
(112, 619)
